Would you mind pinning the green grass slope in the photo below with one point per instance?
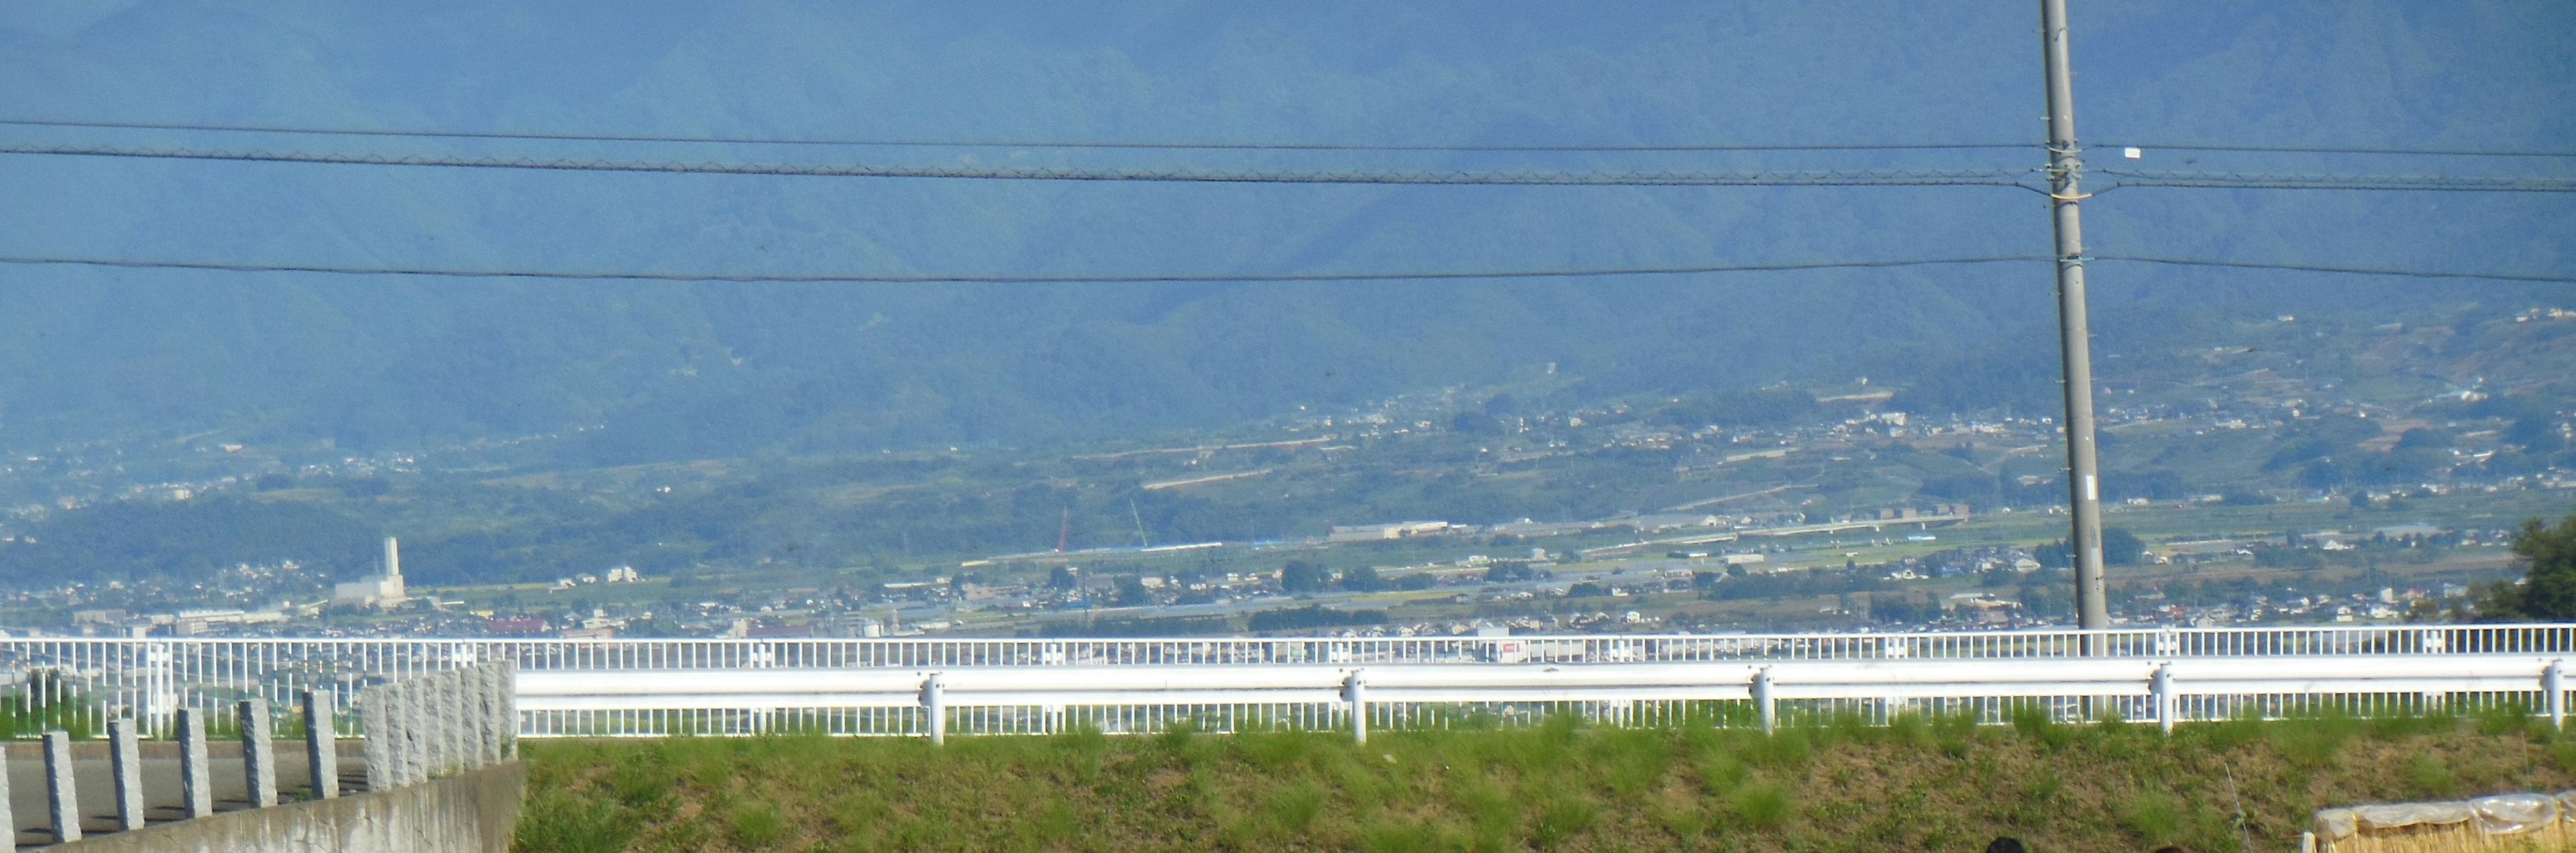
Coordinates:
(1921, 784)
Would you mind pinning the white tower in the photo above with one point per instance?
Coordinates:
(390, 589)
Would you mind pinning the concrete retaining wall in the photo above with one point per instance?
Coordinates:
(473, 812)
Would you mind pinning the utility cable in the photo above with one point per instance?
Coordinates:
(1857, 177)
(2266, 181)
(2382, 271)
(2324, 149)
(1425, 275)
(931, 143)
(1177, 278)
(1848, 177)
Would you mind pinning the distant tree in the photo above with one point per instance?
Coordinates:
(1363, 579)
(1132, 592)
(1587, 589)
(2120, 547)
(1302, 576)
(2548, 591)
(1060, 577)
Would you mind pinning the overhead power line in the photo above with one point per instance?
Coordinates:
(2005, 177)
(2264, 181)
(1857, 177)
(1423, 275)
(2328, 149)
(1217, 278)
(986, 143)
(2544, 278)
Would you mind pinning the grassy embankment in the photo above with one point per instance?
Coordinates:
(1922, 784)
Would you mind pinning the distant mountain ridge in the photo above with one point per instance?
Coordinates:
(688, 370)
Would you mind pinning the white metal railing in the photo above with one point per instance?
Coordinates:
(993, 700)
(79, 683)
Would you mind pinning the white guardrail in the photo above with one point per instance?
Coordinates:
(930, 687)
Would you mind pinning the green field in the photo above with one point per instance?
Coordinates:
(1920, 784)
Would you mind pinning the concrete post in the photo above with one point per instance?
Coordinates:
(61, 798)
(375, 719)
(2160, 685)
(1762, 699)
(444, 709)
(415, 742)
(934, 704)
(196, 782)
(8, 816)
(474, 688)
(259, 752)
(407, 746)
(1355, 692)
(464, 731)
(496, 720)
(509, 709)
(321, 744)
(2553, 681)
(125, 765)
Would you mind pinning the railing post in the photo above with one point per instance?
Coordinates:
(259, 752)
(934, 705)
(1762, 700)
(321, 745)
(196, 782)
(1355, 692)
(61, 798)
(125, 765)
(2160, 685)
(2553, 683)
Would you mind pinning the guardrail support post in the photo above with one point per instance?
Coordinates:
(196, 782)
(2553, 681)
(321, 745)
(61, 798)
(2160, 685)
(259, 752)
(1762, 699)
(934, 704)
(125, 764)
(1355, 692)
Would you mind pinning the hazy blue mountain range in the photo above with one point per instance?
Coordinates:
(683, 370)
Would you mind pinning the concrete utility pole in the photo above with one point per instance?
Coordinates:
(2065, 190)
